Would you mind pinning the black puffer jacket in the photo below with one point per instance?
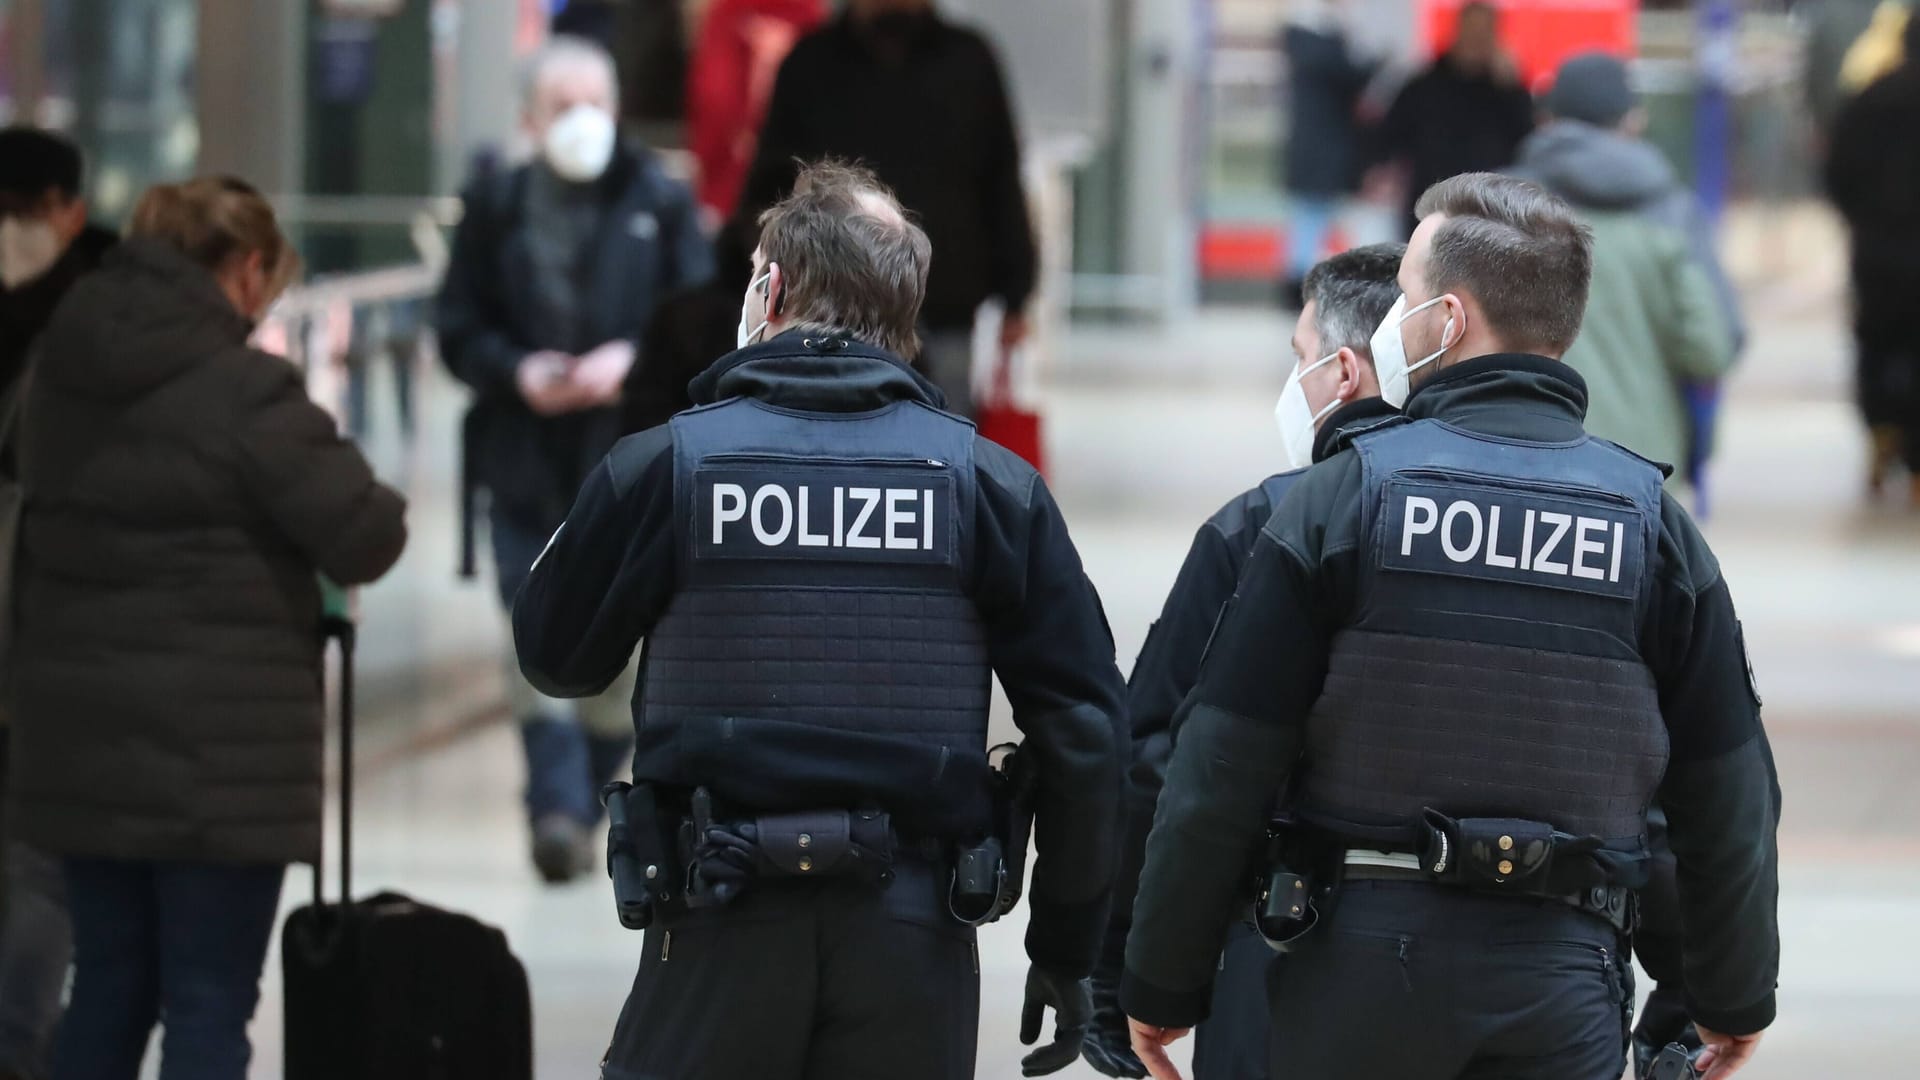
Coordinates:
(182, 493)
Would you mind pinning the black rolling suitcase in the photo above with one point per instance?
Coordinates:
(387, 988)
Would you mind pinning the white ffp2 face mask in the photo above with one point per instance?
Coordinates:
(1298, 422)
(28, 248)
(742, 336)
(1390, 351)
(579, 143)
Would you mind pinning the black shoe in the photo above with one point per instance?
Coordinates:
(561, 848)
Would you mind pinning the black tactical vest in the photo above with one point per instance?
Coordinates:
(1493, 666)
(823, 559)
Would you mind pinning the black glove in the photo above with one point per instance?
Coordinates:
(1072, 1002)
(1108, 1046)
(726, 860)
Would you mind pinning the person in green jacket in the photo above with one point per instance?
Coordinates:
(1662, 314)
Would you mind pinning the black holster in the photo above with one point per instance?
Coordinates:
(1297, 884)
(648, 879)
(990, 875)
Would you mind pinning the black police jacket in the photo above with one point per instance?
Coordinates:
(611, 573)
(1243, 727)
(1169, 661)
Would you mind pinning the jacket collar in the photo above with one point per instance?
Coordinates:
(1515, 395)
(811, 371)
(1356, 417)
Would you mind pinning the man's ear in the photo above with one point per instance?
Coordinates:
(776, 290)
(1456, 309)
(1352, 364)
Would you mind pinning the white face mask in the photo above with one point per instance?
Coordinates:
(742, 336)
(1298, 422)
(1390, 351)
(579, 143)
(28, 248)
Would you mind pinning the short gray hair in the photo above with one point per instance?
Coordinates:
(565, 50)
(851, 261)
(1351, 294)
(1519, 250)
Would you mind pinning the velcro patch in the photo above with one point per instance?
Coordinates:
(864, 514)
(1526, 537)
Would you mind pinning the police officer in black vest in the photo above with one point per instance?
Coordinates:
(1331, 395)
(827, 571)
(1464, 657)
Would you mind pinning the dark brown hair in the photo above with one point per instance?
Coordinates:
(214, 220)
(851, 260)
(1519, 250)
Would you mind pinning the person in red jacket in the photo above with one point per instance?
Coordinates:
(741, 45)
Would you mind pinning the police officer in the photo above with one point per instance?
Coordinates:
(1467, 652)
(828, 570)
(1331, 394)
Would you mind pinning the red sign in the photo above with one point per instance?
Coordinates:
(1542, 33)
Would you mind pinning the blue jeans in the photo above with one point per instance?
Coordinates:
(181, 944)
(567, 761)
(1310, 218)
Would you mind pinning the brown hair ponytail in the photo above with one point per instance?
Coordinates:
(214, 220)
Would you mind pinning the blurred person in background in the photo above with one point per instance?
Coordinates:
(184, 495)
(1873, 177)
(923, 102)
(1331, 388)
(1661, 313)
(740, 46)
(691, 329)
(555, 273)
(1322, 167)
(1467, 112)
(46, 245)
(1834, 27)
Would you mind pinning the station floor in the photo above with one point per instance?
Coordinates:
(1149, 431)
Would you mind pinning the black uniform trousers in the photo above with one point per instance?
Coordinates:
(1423, 982)
(1235, 1040)
(806, 980)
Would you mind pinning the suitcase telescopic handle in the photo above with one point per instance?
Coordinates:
(340, 630)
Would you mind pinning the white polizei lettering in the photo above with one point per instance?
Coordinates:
(808, 539)
(1415, 527)
(1583, 547)
(869, 498)
(1526, 543)
(897, 517)
(1561, 523)
(1494, 558)
(1472, 513)
(772, 493)
(926, 518)
(1619, 541)
(729, 504)
(839, 517)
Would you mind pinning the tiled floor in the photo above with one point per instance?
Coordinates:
(1149, 432)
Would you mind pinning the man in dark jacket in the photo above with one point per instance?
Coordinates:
(1346, 297)
(1465, 655)
(1873, 177)
(923, 103)
(1465, 113)
(1325, 81)
(46, 245)
(827, 570)
(555, 273)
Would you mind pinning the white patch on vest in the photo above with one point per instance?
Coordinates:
(777, 513)
(1596, 547)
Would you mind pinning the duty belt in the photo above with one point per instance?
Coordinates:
(1502, 857)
